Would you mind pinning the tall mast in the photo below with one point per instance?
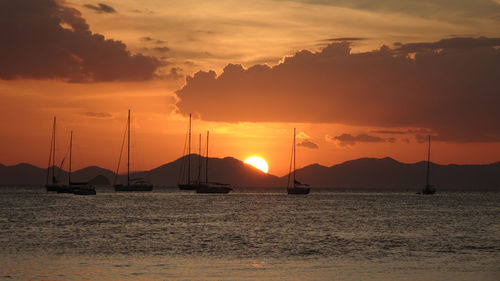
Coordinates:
(428, 161)
(199, 161)
(206, 172)
(189, 151)
(54, 152)
(294, 157)
(70, 152)
(128, 149)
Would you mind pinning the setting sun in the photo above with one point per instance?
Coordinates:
(258, 163)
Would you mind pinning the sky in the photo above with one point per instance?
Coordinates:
(357, 78)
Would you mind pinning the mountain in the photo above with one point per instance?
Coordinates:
(363, 173)
(387, 173)
(225, 170)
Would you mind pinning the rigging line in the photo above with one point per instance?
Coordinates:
(290, 170)
(61, 165)
(183, 168)
(50, 158)
(121, 153)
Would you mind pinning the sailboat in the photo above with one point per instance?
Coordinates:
(137, 184)
(297, 187)
(78, 188)
(52, 184)
(428, 188)
(187, 184)
(211, 187)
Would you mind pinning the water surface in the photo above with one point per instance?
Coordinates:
(326, 235)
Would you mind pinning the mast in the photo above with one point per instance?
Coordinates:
(70, 152)
(50, 156)
(128, 149)
(54, 153)
(189, 151)
(206, 172)
(428, 161)
(294, 157)
(199, 161)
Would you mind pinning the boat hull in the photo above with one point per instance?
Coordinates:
(204, 188)
(298, 190)
(84, 191)
(52, 187)
(64, 189)
(134, 187)
(429, 190)
(187, 186)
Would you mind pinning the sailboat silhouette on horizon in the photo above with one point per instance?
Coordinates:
(428, 189)
(137, 184)
(296, 187)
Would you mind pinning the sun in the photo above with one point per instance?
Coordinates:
(258, 163)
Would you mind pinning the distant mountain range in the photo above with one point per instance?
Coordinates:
(363, 173)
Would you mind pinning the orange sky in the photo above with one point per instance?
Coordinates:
(184, 37)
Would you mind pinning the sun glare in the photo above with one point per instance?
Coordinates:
(258, 163)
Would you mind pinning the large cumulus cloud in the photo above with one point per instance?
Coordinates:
(42, 39)
(450, 87)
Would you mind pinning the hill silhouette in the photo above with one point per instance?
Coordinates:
(387, 173)
(363, 173)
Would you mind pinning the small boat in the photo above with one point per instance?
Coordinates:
(83, 188)
(428, 189)
(132, 185)
(184, 182)
(211, 187)
(52, 182)
(297, 187)
(77, 188)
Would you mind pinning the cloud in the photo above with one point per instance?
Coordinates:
(101, 8)
(162, 49)
(307, 144)
(449, 87)
(350, 140)
(345, 39)
(389, 132)
(99, 115)
(45, 40)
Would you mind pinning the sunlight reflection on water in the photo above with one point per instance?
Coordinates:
(245, 236)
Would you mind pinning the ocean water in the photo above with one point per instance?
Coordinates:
(174, 235)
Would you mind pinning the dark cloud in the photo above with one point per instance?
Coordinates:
(101, 8)
(174, 74)
(100, 115)
(449, 87)
(307, 144)
(345, 39)
(350, 140)
(162, 49)
(151, 40)
(44, 40)
(389, 132)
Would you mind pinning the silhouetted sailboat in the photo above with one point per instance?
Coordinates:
(52, 183)
(185, 183)
(297, 187)
(428, 188)
(137, 184)
(212, 187)
(78, 188)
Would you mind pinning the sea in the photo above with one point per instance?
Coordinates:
(249, 234)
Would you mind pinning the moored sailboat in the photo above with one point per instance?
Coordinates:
(52, 183)
(137, 184)
(184, 182)
(428, 189)
(211, 187)
(296, 187)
